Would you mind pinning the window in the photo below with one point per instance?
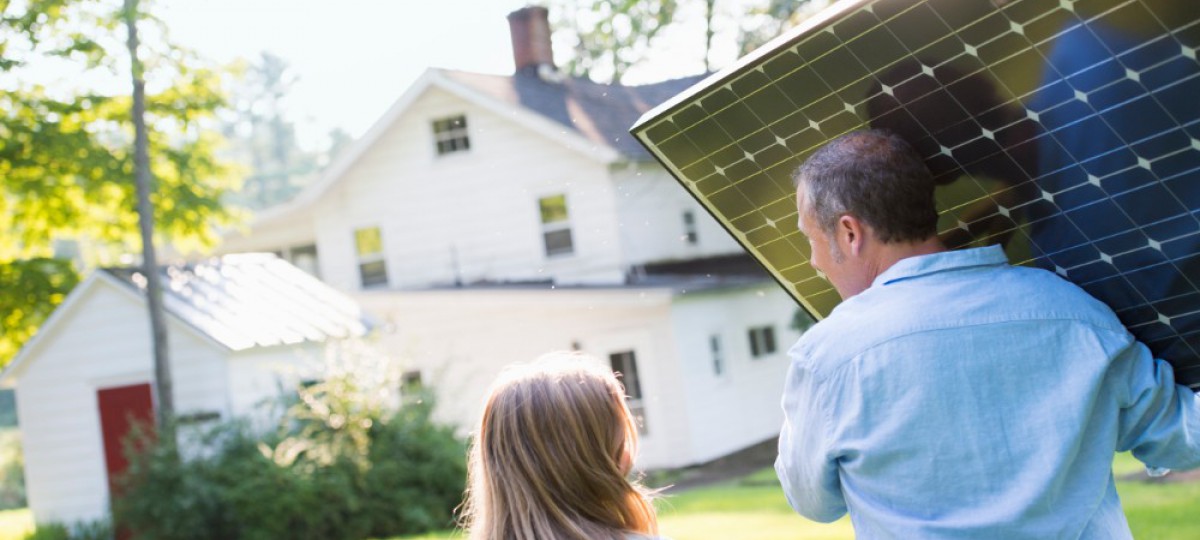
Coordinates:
(305, 258)
(556, 225)
(762, 341)
(372, 269)
(412, 388)
(689, 227)
(198, 417)
(625, 363)
(450, 135)
(718, 357)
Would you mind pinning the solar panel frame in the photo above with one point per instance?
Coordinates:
(1121, 216)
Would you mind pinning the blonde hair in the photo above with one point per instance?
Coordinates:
(551, 456)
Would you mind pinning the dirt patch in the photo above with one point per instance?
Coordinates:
(1174, 477)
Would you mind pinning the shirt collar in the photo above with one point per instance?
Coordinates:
(921, 265)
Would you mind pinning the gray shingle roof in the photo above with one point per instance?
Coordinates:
(253, 300)
(603, 113)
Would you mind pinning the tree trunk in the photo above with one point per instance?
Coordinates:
(141, 167)
(708, 32)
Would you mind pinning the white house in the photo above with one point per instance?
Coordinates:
(488, 219)
(241, 328)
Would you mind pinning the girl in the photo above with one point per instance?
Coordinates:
(551, 457)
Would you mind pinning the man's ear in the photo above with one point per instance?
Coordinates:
(851, 234)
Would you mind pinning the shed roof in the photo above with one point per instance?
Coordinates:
(252, 300)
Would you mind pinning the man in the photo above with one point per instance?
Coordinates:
(951, 395)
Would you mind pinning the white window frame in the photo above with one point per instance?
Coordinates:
(454, 138)
(550, 227)
(763, 341)
(716, 353)
(632, 383)
(691, 234)
(370, 258)
(291, 254)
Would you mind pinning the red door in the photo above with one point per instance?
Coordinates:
(120, 408)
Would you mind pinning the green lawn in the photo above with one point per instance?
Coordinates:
(753, 508)
(15, 524)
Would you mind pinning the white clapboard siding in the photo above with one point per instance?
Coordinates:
(472, 216)
(271, 231)
(258, 376)
(461, 339)
(728, 412)
(650, 206)
(103, 342)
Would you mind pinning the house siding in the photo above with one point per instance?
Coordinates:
(104, 342)
(650, 211)
(741, 406)
(469, 216)
(462, 339)
(258, 375)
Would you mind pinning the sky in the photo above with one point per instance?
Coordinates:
(353, 58)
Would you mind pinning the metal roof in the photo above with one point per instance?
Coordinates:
(253, 300)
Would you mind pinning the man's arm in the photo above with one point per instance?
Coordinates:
(1159, 420)
(806, 466)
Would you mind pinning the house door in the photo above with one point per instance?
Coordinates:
(120, 408)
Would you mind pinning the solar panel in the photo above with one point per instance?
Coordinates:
(1067, 131)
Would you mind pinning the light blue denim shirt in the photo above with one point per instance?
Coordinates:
(961, 397)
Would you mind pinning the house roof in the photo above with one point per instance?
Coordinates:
(602, 113)
(252, 300)
(587, 117)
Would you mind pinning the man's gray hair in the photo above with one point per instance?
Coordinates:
(874, 176)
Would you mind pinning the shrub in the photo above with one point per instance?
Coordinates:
(342, 463)
(12, 470)
(88, 530)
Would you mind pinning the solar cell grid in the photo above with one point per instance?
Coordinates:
(1068, 132)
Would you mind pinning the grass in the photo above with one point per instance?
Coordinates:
(15, 524)
(753, 508)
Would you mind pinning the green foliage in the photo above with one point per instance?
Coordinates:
(263, 137)
(29, 291)
(610, 36)
(66, 162)
(90, 530)
(341, 464)
(765, 22)
(12, 470)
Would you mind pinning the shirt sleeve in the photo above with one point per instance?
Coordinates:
(1159, 419)
(806, 466)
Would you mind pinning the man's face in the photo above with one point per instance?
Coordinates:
(827, 255)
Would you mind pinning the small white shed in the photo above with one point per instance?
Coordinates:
(240, 328)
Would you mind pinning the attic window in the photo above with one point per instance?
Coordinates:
(450, 135)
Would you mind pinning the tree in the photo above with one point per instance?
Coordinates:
(265, 136)
(141, 173)
(610, 36)
(710, 7)
(764, 22)
(66, 151)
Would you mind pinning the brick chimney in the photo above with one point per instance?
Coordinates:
(530, 28)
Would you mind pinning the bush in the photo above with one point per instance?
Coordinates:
(12, 470)
(342, 463)
(88, 530)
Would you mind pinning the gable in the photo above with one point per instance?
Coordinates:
(100, 314)
(407, 103)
